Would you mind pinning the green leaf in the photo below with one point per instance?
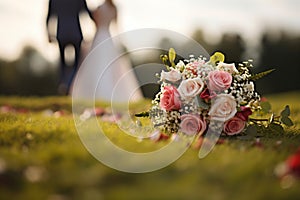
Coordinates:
(251, 130)
(217, 57)
(287, 121)
(286, 112)
(276, 128)
(260, 75)
(265, 106)
(164, 58)
(172, 56)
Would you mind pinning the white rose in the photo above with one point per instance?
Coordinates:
(173, 75)
(223, 107)
(227, 67)
(189, 88)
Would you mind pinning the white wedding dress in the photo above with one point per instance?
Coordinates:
(116, 78)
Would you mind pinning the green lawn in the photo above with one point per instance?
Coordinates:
(42, 157)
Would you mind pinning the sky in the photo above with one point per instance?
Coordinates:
(23, 22)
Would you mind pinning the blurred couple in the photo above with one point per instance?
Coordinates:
(115, 82)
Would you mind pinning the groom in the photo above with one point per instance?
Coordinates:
(68, 33)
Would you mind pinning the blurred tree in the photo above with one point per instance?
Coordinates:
(281, 54)
(30, 74)
(199, 37)
(232, 46)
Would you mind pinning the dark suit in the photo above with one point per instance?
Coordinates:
(68, 29)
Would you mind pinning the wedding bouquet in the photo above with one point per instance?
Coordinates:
(196, 93)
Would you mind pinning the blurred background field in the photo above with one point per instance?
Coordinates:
(42, 157)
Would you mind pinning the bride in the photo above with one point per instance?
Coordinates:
(117, 80)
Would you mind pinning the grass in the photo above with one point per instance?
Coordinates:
(42, 157)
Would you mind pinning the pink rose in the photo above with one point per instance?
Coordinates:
(189, 88)
(234, 126)
(227, 67)
(223, 107)
(170, 99)
(192, 124)
(219, 80)
(244, 113)
(173, 75)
